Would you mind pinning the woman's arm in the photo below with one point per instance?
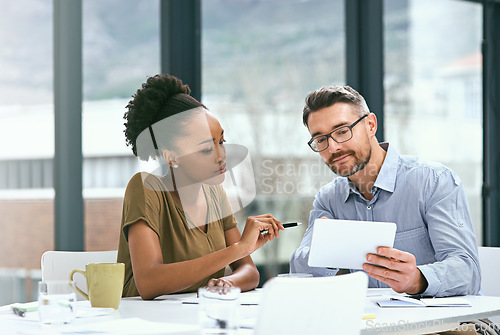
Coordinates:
(245, 275)
(153, 278)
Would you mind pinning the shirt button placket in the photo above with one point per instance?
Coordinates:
(370, 211)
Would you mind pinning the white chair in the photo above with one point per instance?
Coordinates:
(57, 265)
(489, 261)
(319, 305)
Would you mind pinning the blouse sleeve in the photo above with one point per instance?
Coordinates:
(140, 203)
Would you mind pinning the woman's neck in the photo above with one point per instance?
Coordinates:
(189, 195)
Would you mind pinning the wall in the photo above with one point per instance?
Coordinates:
(28, 229)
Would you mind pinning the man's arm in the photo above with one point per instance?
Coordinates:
(456, 270)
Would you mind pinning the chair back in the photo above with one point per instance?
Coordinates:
(317, 305)
(57, 265)
(489, 261)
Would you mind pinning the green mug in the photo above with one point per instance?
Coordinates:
(104, 283)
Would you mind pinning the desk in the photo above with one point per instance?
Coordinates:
(170, 309)
(416, 320)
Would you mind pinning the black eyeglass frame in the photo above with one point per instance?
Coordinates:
(329, 135)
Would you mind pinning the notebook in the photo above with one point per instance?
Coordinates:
(345, 243)
(424, 302)
(314, 305)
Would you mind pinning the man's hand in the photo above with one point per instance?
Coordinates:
(396, 268)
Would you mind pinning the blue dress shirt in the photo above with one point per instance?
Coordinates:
(427, 201)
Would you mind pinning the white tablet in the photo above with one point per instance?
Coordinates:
(345, 243)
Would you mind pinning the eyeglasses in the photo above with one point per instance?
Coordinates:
(339, 135)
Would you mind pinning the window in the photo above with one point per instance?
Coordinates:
(433, 87)
(120, 49)
(27, 136)
(259, 60)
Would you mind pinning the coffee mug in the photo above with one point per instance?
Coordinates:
(104, 283)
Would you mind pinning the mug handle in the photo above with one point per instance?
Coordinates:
(78, 289)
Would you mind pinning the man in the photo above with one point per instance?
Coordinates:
(435, 251)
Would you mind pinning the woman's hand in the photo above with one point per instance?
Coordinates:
(252, 238)
(220, 282)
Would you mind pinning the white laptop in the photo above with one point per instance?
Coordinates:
(345, 243)
(317, 305)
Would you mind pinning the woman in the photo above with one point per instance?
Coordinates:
(177, 231)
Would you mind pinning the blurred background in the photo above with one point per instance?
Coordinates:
(259, 59)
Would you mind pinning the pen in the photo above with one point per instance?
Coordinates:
(18, 311)
(419, 296)
(285, 225)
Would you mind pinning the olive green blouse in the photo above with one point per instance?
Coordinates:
(146, 199)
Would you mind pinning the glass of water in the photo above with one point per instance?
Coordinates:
(56, 301)
(219, 310)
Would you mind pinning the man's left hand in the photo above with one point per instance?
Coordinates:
(396, 268)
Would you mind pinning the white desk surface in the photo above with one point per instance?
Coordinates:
(419, 320)
(170, 309)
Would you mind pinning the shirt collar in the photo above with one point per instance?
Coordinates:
(350, 188)
(386, 178)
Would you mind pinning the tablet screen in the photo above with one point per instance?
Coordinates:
(345, 243)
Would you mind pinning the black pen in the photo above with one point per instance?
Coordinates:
(419, 296)
(18, 312)
(285, 225)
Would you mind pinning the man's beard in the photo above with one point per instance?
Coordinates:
(359, 162)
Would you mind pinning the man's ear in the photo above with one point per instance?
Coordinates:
(371, 121)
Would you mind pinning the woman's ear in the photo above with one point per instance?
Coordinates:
(169, 157)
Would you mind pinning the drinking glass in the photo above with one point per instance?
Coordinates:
(56, 301)
(219, 310)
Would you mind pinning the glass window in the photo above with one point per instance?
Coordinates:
(27, 137)
(433, 87)
(121, 47)
(260, 59)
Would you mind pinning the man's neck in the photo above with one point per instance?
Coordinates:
(365, 178)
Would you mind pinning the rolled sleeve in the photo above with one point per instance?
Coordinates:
(434, 284)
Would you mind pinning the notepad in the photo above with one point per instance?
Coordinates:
(425, 302)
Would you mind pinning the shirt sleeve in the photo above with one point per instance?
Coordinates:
(300, 258)
(141, 202)
(456, 270)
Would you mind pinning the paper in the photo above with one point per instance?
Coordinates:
(81, 312)
(425, 302)
(131, 326)
(244, 299)
(87, 312)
